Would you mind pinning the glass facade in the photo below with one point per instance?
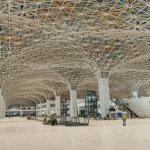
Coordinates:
(91, 103)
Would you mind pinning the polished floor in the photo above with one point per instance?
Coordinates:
(22, 134)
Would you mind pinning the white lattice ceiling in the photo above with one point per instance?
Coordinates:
(47, 45)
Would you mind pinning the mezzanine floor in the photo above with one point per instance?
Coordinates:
(22, 134)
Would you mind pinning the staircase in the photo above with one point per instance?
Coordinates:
(131, 110)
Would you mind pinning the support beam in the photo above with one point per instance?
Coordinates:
(21, 113)
(40, 108)
(134, 94)
(2, 105)
(104, 94)
(37, 112)
(134, 91)
(73, 102)
(48, 108)
(57, 99)
(36, 108)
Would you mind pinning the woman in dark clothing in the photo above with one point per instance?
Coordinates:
(107, 116)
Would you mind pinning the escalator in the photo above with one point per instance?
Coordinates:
(127, 108)
(73, 121)
(67, 121)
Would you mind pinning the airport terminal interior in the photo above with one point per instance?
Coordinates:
(74, 74)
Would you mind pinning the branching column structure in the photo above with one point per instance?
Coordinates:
(104, 95)
(131, 81)
(57, 88)
(134, 91)
(135, 94)
(20, 111)
(40, 108)
(57, 99)
(2, 105)
(38, 43)
(148, 94)
(72, 77)
(48, 107)
(73, 101)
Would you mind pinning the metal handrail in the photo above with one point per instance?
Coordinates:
(84, 123)
(133, 109)
(66, 122)
(140, 114)
(77, 121)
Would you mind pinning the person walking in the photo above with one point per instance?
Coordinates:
(89, 116)
(113, 116)
(55, 119)
(107, 116)
(27, 116)
(124, 117)
(85, 116)
(95, 117)
(45, 118)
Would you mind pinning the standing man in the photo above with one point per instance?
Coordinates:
(55, 119)
(107, 116)
(124, 117)
(45, 117)
(89, 116)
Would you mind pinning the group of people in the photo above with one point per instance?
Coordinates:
(124, 117)
(95, 117)
(28, 116)
(53, 119)
(108, 117)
